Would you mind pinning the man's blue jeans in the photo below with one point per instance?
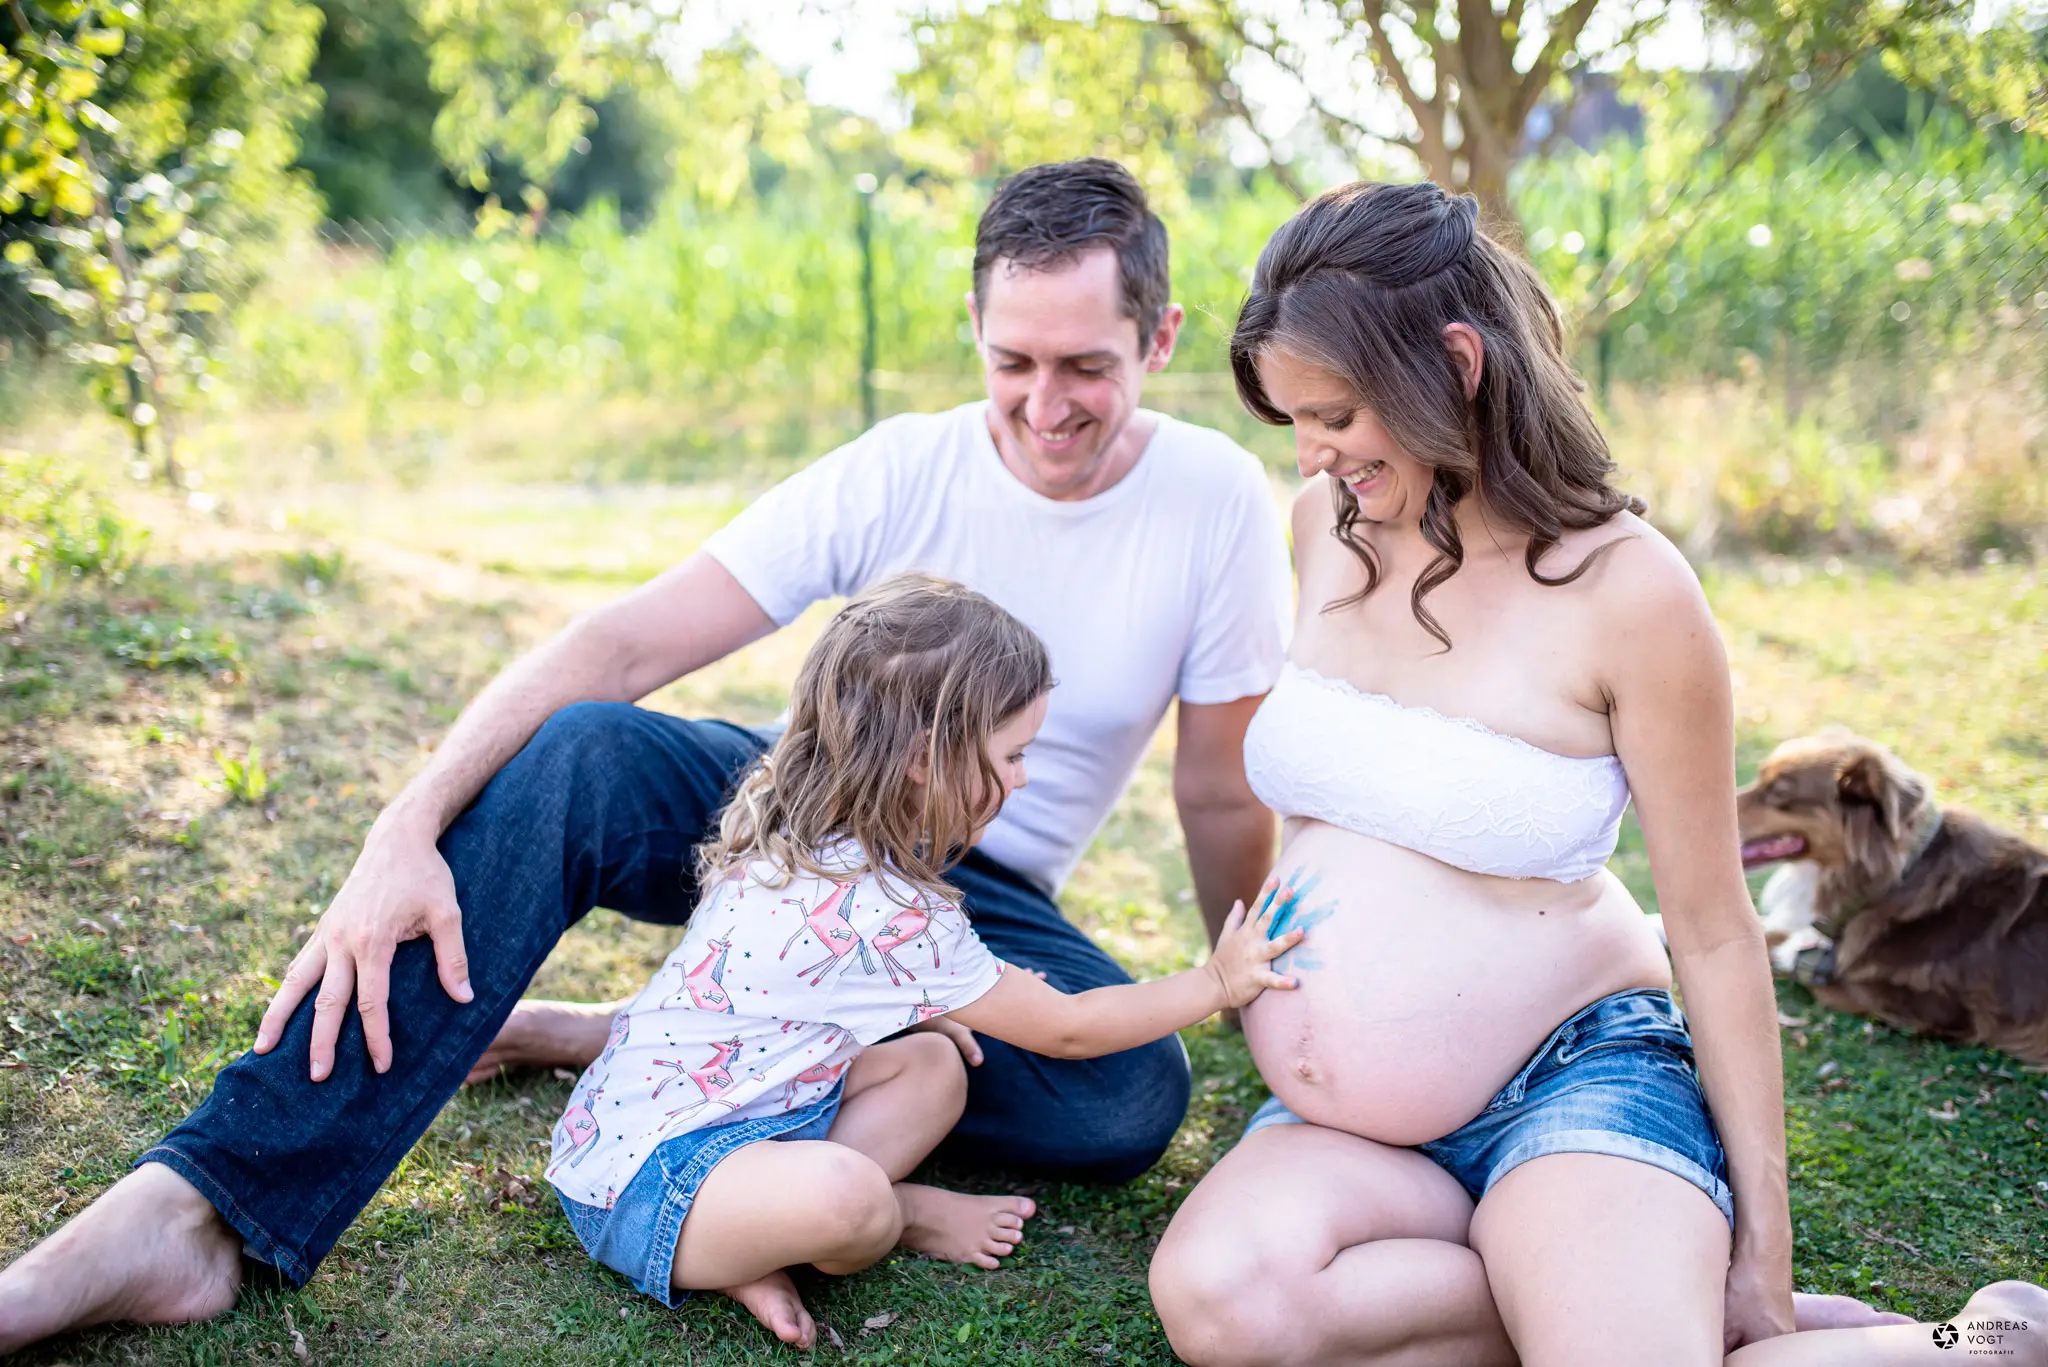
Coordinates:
(605, 807)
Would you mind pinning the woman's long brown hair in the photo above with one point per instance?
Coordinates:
(1362, 283)
(914, 664)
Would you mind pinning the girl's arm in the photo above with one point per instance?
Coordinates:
(1024, 1010)
(1672, 712)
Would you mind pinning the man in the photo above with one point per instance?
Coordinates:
(1144, 550)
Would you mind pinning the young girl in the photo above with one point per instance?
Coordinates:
(826, 929)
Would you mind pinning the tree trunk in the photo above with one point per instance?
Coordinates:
(1487, 179)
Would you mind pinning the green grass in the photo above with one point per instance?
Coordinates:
(143, 904)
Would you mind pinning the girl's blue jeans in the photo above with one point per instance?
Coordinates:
(605, 807)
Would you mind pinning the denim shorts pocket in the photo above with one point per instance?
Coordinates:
(1627, 1026)
(1518, 1086)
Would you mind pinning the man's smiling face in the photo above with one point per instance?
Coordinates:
(1065, 367)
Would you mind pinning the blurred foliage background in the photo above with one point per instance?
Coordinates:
(1806, 266)
(349, 347)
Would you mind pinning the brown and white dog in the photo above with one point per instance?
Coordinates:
(1890, 906)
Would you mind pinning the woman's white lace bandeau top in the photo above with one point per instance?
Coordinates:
(1447, 787)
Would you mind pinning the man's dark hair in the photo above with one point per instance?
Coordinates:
(1047, 215)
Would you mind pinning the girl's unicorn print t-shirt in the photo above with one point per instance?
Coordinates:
(770, 996)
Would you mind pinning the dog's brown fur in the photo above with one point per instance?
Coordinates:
(1956, 945)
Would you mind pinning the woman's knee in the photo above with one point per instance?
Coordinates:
(1224, 1302)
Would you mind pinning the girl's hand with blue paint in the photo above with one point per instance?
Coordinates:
(1242, 960)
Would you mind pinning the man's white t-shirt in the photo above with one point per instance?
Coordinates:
(1173, 582)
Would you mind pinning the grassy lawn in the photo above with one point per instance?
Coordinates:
(148, 883)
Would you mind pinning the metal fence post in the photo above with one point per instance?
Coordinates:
(1604, 343)
(864, 185)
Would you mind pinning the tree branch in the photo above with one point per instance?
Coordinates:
(1433, 148)
(1390, 67)
(1563, 38)
(1210, 67)
(1331, 119)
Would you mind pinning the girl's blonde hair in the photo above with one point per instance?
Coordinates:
(915, 663)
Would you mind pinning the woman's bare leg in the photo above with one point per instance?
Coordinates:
(1982, 1328)
(1311, 1246)
(1598, 1260)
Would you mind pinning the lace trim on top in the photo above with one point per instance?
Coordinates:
(1449, 787)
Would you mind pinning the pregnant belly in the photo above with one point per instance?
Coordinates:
(1425, 988)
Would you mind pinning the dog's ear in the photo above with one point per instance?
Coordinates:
(1874, 779)
(1879, 798)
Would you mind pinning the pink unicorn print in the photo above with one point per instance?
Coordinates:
(912, 923)
(833, 928)
(621, 1024)
(580, 1124)
(817, 1072)
(713, 1078)
(706, 982)
(923, 1012)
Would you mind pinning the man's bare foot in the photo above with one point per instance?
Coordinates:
(548, 1034)
(773, 1301)
(1810, 1311)
(961, 1228)
(1997, 1311)
(151, 1250)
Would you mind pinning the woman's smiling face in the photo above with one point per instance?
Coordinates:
(1335, 433)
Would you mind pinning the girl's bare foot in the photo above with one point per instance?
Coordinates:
(548, 1034)
(1811, 1311)
(960, 1228)
(773, 1301)
(151, 1250)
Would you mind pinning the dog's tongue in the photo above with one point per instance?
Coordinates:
(1771, 849)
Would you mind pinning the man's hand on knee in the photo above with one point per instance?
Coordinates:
(399, 890)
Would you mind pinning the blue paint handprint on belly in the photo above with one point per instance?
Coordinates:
(1289, 898)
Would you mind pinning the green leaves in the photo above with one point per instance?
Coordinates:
(154, 148)
(1010, 85)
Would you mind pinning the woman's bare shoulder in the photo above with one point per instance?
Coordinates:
(1652, 624)
(1635, 569)
(1314, 511)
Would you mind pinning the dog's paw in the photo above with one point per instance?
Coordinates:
(1785, 954)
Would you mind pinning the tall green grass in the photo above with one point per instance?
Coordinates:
(1856, 338)
(764, 299)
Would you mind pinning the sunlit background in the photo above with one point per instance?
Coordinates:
(347, 347)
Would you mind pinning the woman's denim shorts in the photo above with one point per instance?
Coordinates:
(636, 1238)
(1617, 1078)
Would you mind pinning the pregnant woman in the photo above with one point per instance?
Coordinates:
(1490, 1140)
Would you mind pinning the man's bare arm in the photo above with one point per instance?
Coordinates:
(1229, 832)
(400, 888)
